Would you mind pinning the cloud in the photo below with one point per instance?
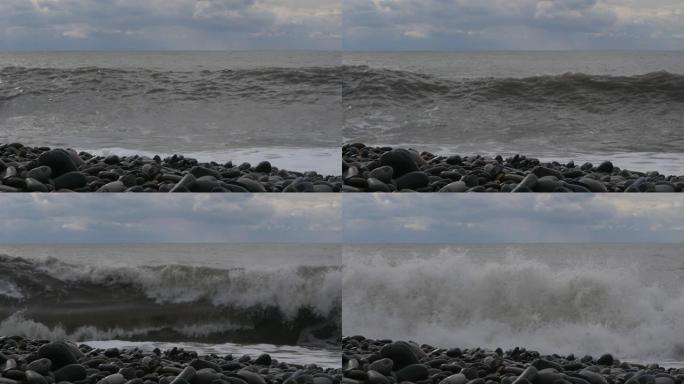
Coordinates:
(541, 218)
(188, 218)
(169, 24)
(513, 24)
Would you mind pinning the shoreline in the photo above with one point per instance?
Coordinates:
(389, 169)
(45, 169)
(386, 361)
(42, 362)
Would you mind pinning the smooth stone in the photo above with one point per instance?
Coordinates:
(593, 185)
(199, 171)
(263, 167)
(606, 359)
(59, 161)
(401, 161)
(526, 184)
(112, 159)
(413, 372)
(251, 377)
(605, 167)
(547, 184)
(251, 185)
(375, 377)
(205, 376)
(187, 375)
(59, 353)
(71, 372)
(593, 377)
(41, 174)
(71, 180)
(299, 184)
(383, 173)
(375, 185)
(401, 354)
(456, 186)
(528, 375)
(41, 366)
(185, 184)
(383, 366)
(151, 170)
(114, 186)
(413, 180)
(664, 188)
(33, 377)
(116, 378)
(33, 185)
(457, 378)
(205, 184)
(540, 172)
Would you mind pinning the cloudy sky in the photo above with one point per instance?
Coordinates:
(169, 24)
(513, 24)
(445, 218)
(238, 218)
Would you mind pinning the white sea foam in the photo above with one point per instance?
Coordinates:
(452, 299)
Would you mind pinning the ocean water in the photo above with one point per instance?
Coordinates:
(209, 297)
(586, 106)
(623, 299)
(209, 104)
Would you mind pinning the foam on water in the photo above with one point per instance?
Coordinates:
(450, 298)
(324, 160)
(667, 163)
(329, 358)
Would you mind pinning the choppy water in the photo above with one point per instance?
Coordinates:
(212, 103)
(210, 293)
(584, 299)
(571, 105)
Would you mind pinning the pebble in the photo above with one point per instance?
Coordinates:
(40, 169)
(44, 362)
(436, 173)
(389, 362)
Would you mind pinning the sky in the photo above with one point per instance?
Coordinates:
(169, 24)
(221, 218)
(336, 24)
(490, 219)
(513, 24)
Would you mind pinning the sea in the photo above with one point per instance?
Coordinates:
(627, 107)
(214, 106)
(284, 299)
(623, 299)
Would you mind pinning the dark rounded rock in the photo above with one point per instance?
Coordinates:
(383, 366)
(375, 185)
(401, 354)
(59, 353)
(413, 180)
(41, 174)
(263, 359)
(456, 186)
(114, 186)
(401, 161)
(112, 159)
(383, 173)
(606, 359)
(41, 366)
(59, 161)
(33, 377)
(413, 372)
(71, 180)
(71, 372)
(263, 167)
(605, 167)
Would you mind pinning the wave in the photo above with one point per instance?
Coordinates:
(169, 301)
(285, 85)
(453, 299)
(363, 84)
